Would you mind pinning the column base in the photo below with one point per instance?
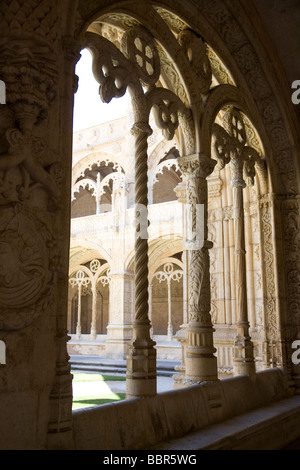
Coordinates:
(140, 387)
(141, 367)
(118, 341)
(200, 363)
(201, 369)
(243, 361)
(141, 372)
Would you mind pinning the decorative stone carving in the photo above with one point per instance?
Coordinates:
(138, 46)
(219, 71)
(136, 66)
(196, 51)
(28, 169)
(169, 274)
(111, 69)
(26, 278)
(291, 235)
(200, 361)
(230, 146)
(21, 154)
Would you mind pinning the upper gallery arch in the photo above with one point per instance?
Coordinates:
(226, 35)
(136, 66)
(181, 62)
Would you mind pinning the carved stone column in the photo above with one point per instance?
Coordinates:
(141, 360)
(200, 362)
(181, 334)
(93, 333)
(230, 146)
(135, 66)
(98, 195)
(243, 362)
(60, 415)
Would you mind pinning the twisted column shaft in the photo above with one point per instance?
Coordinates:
(141, 213)
(141, 360)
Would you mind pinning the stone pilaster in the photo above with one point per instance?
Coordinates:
(119, 330)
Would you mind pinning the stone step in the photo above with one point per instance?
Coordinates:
(99, 364)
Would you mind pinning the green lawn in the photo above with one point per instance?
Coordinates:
(94, 399)
(91, 377)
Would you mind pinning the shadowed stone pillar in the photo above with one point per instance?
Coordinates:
(200, 361)
(37, 65)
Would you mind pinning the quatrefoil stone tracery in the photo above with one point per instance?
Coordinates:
(144, 56)
(95, 265)
(138, 45)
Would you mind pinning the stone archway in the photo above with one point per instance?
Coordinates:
(44, 40)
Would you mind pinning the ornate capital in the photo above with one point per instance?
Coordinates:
(230, 145)
(196, 165)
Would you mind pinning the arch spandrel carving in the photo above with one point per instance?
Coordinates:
(81, 252)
